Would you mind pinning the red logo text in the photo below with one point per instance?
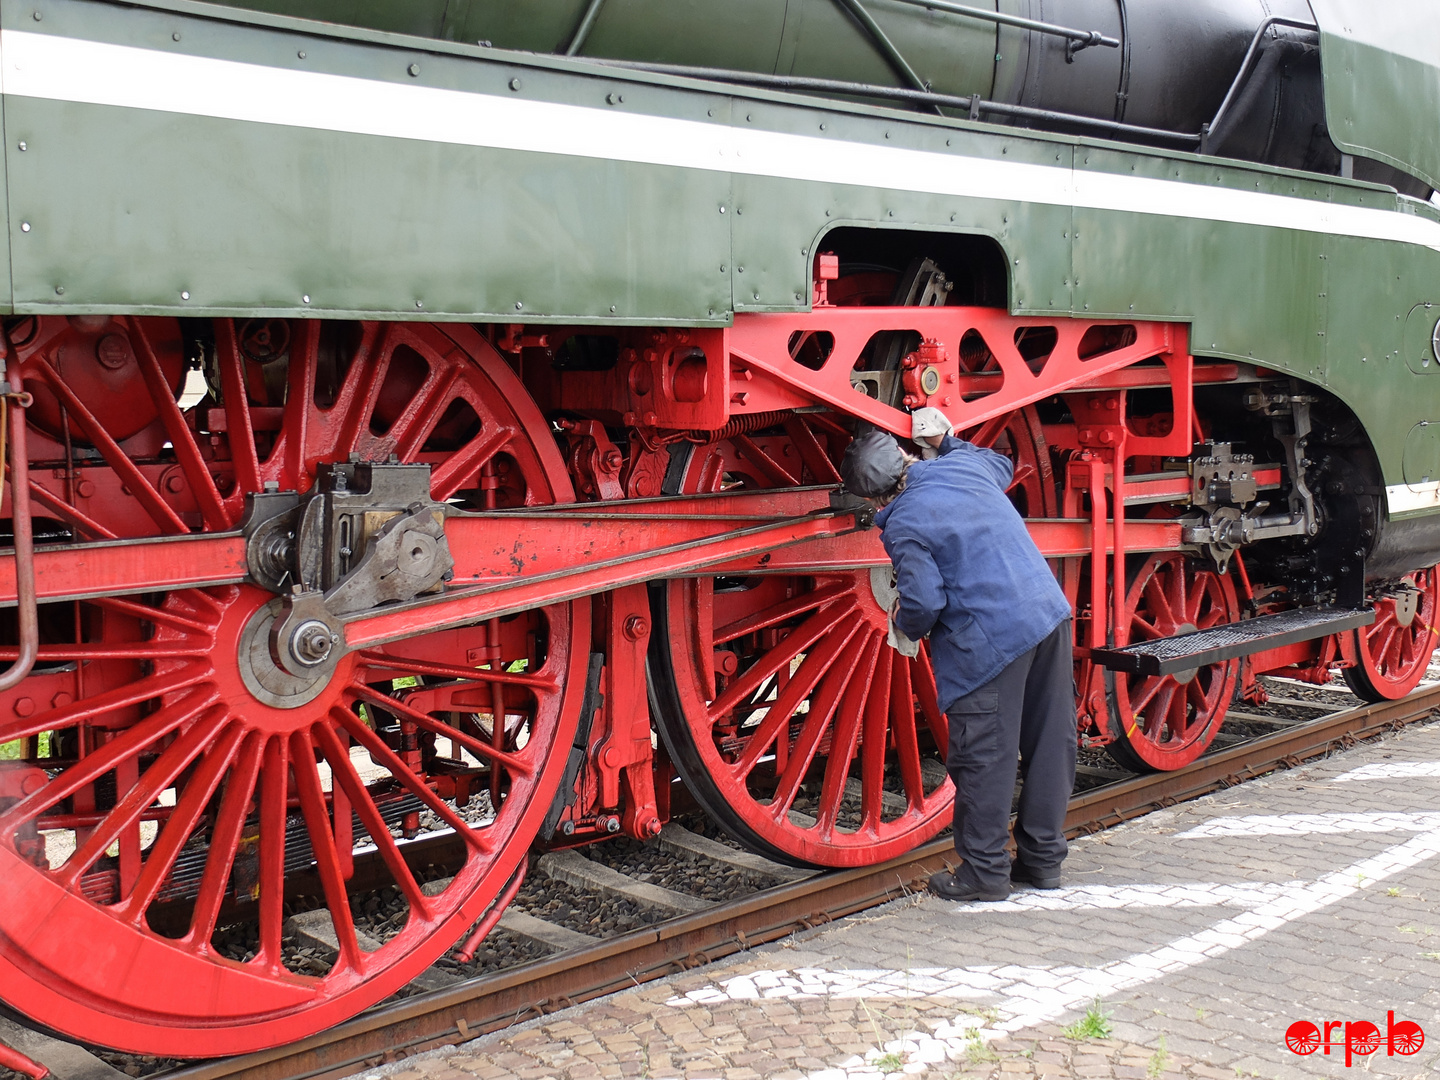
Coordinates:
(1357, 1037)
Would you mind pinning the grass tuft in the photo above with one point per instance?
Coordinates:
(1158, 1060)
(1095, 1024)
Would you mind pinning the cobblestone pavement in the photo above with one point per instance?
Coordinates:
(1198, 934)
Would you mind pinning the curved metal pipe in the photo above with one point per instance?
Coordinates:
(24, 540)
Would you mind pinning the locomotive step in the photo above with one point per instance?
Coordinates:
(1185, 652)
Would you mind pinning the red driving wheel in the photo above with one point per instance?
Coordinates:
(791, 719)
(1166, 722)
(1395, 649)
(170, 784)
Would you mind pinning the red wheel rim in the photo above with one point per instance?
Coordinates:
(858, 776)
(1394, 651)
(205, 780)
(1409, 1037)
(1302, 1037)
(1166, 722)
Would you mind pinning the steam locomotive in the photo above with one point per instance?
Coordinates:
(422, 424)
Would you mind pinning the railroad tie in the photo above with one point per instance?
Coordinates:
(575, 870)
(689, 845)
(65, 1060)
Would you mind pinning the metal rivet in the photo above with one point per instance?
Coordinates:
(301, 54)
(419, 303)
(414, 69)
(822, 127)
(722, 209)
(739, 269)
(722, 268)
(514, 84)
(175, 36)
(23, 146)
(748, 118)
(612, 309)
(305, 299)
(518, 305)
(709, 112)
(59, 290)
(739, 210)
(887, 134)
(38, 16)
(25, 226)
(184, 294)
(757, 296)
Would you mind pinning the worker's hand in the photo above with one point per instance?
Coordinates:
(929, 426)
(895, 609)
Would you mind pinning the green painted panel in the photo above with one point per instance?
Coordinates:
(1422, 330)
(1210, 273)
(1381, 64)
(130, 208)
(1422, 454)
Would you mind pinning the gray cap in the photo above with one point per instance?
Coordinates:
(873, 465)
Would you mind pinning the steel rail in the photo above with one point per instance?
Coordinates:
(456, 1014)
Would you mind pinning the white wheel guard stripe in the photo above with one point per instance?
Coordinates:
(70, 69)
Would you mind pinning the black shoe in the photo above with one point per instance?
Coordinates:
(948, 887)
(1021, 874)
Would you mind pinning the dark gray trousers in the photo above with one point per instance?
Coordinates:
(1023, 717)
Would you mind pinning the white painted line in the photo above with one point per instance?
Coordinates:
(1029, 996)
(70, 69)
(1390, 770)
(1310, 824)
(1089, 897)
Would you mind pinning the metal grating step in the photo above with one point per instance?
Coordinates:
(1166, 656)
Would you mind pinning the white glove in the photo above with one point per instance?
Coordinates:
(928, 422)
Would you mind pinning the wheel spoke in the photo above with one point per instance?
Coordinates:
(480, 749)
(181, 823)
(131, 804)
(902, 727)
(408, 666)
(806, 677)
(804, 636)
(382, 755)
(274, 812)
(779, 613)
(846, 736)
(462, 466)
(224, 842)
(159, 511)
(358, 391)
(322, 842)
(182, 439)
(240, 434)
(872, 747)
(347, 779)
(128, 744)
(812, 731)
(293, 445)
(923, 680)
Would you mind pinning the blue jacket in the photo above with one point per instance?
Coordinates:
(968, 573)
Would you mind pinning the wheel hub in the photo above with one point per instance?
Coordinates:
(263, 675)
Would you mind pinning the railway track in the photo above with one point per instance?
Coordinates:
(444, 1007)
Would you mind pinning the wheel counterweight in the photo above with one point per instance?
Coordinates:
(168, 765)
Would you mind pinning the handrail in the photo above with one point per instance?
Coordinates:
(1079, 39)
(974, 105)
(1207, 130)
(15, 399)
